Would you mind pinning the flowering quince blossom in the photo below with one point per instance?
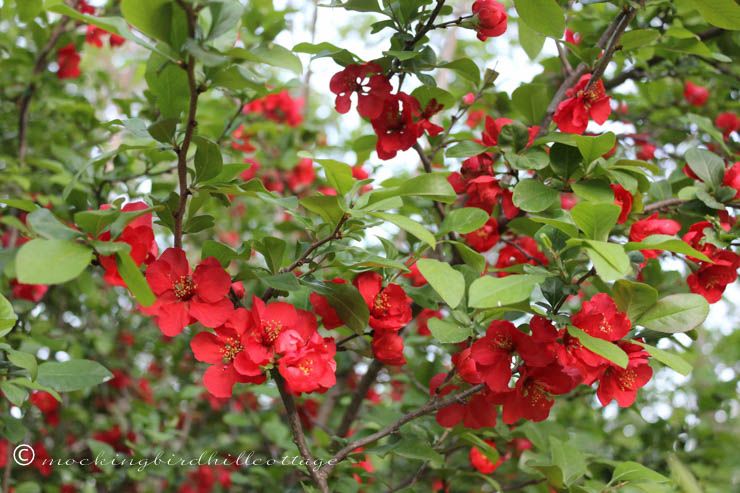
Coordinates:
(30, 292)
(622, 384)
(139, 235)
(371, 95)
(68, 61)
(624, 200)
(732, 179)
(184, 297)
(646, 152)
(390, 308)
(573, 38)
(485, 237)
(572, 115)
(401, 122)
(387, 347)
(310, 368)
(600, 318)
(220, 349)
(48, 405)
(280, 108)
(302, 175)
(695, 95)
(492, 18)
(728, 123)
(241, 142)
(713, 277)
(653, 225)
(474, 412)
(481, 463)
(415, 276)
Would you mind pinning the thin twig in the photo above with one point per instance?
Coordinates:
(611, 47)
(578, 282)
(521, 250)
(663, 204)
(567, 68)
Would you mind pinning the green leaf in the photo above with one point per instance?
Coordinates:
(672, 360)
(471, 257)
(465, 67)
(720, 13)
(531, 100)
(609, 259)
(8, 317)
(339, 175)
(408, 225)
(134, 279)
(634, 298)
(43, 222)
(465, 149)
(483, 447)
(23, 360)
(155, 18)
(51, 261)
(675, 313)
(446, 281)
(104, 451)
(602, 347)
(448, 332)
(208, 159)
(637, 38)
(530, 40)
(532, 196)
(278, 56)
(569, 459)
(464, 220)
(683, 476)
(594, 191)
(94, 222)
(492, 292)
(326, 206)
(164, 130)
(432, 186)
(543, 16)
(592, 148)
(418, 449)
(223, 253)
(169, 84)
(666, 242)
(225, 15)
(28, 9)
(706, 165)
(13, 393)
(273, 249)
(24, 205)
(71, 375)
(286, 281)
(595, 220)
(346, 301)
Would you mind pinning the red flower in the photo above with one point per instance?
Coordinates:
(474, 118)
(568, 201)
(711, 279)
(94, 35)
(481, 463)
(68, 61)
(653, 226)
(622, 383)
(83, 7)
(507, 204)
(571, 37)
(370, 95)
(531, 399)
(220, 349)
(572, 115)
(401, 122)
(728, 123)
(466, 367)
(388, 347)
(241, 142)
(303, 174)
(483, 193)
(695, 238)
(492, 353)
(422, 319)
(732, 179)
(116, 40)
(328, 315)
(510, 255)
(182, 297)
(695, 95)
(280, 108)
(30, 292)
(42, 460)
(624, 200)
(492, 18)
(474, 412)
(494, 127)
(46, 402)
(139, 235)
(485, 237)
(576, 360)
(390, 308)
(415, 276)
(599, 318)
(312, 367)
(646, 152)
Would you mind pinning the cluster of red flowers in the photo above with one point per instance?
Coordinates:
(280, 108)
(69, 62)
(711, 279)
(582, 104)
(552, 363)
(397, 119)
(94, 36)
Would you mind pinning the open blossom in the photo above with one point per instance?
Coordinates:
(511, 255)
(728, 123)
(387, 347)
(695, 95)
(30, 292)
(371, 94)
(653, 225)
(302, 175)
(184, 297)
(390, 308)
(485, 237)
(492, 353)
(712, 278)
(311, 367)
(492, 18)
(622, 384)
(220, 349)
(401, 122)
(573, 114)
(624, 200)
(599, 317)
(280, 108)
(481, 463)
(68, 61)
(474, 412)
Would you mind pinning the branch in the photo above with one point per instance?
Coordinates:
(298, 437)
(358, 396)
(522, 251)
(611, 48)
(427, 27)
(182, 150)
(25, 102)
(429, 407)
(663, 204)
(456, 22)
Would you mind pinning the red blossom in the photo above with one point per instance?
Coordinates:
(732, 179)
(68, 61)
(184, 297)
(481, 463)
(572, 115)
(371, 94)
(510, 255)
(573, 38)
(474, 412)
(30, 292)
(302, 175)
(492, 18)
(321, 306)
(695, 95)
(387, 347)
(646, 152)
(390, 308)
(240, 141)
(728, 123)
(415, 276)
(599, 317)
(485, 237)
(624, 200)
(311, 368)
(622, 383)
(653, 225)
(280, 108)
(711, 279)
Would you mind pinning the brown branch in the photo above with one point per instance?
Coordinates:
(456, 22)
(182, 150)
(427, 27)
(567, 68)
(611, 47)
(358, 396)
(25, 101)
(663, 204)
(522, 251)
(298, 437)
(431, 406)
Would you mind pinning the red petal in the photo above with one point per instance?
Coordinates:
(207, 347)
(219, 380)
(211, 314)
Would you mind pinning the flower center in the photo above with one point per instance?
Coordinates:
(605, 327)
(272, 330)
(306, 366)
(184, 288)
(230, 349)
(382, 302)
(503, 342)
(626, 380)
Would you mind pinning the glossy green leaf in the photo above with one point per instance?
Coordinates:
(544, 17)
(448, 332)
(408, 225)
(51, 261)
(74, 374)
(492, 292)
(446, 281)
(602, 347)
(596, 220)
(672, 360)
(134, 279)
(533, 196)
(666, 242)
(675, 313)
(464, 220)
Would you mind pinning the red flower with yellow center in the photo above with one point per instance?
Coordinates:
(390, 308)
(599, 317)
